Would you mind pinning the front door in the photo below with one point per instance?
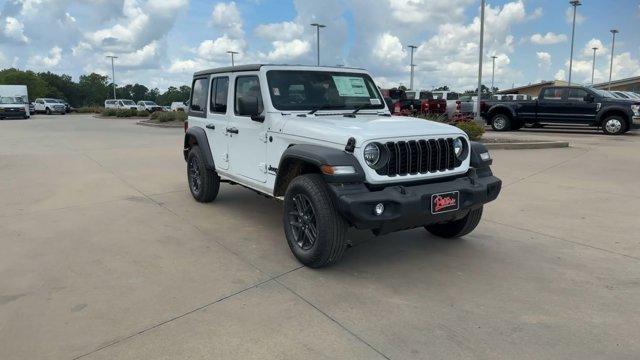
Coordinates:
(579, 110)
(247, 138)
(217, 122)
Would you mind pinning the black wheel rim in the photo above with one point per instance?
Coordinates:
(194, 175)
(302, 220)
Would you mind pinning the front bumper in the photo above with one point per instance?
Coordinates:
(408, 207)
(636, 120)
(13, 112)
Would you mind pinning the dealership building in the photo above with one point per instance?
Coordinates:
(628, 84)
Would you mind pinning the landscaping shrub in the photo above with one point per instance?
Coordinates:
(169, 116)
(473, 129)
(89, 110)
(142, 113)
(124, 113)
(109, 112)
(156, 114)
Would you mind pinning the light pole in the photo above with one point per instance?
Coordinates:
(593, 69)
(613, 46)
(318, 26)
(113, 75)
(478, 119)
(412, 47)
(493, 72)
(575, 4)
(232, 54)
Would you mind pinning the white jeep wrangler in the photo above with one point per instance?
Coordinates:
(322, 140)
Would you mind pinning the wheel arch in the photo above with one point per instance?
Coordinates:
(197, 136)
(500, 109)
(302, 159)
(614, 111)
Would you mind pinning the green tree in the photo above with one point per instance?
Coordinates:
(442, 88)
(36, 87)
(64, 87)
(94, 89)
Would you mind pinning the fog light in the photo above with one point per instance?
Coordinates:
(379, 209)
(485, 156)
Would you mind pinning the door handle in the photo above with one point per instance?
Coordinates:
(232, 130)
(210, 126)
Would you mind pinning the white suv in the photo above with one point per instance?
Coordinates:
(50, 106)
(149, 106)
(322, 140)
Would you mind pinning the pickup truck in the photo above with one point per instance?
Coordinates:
(564, 105)
(456, 107)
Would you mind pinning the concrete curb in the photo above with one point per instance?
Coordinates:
(150, 124)
(528, 145)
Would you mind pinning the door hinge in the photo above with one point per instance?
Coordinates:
(263, 136)
(262, 167)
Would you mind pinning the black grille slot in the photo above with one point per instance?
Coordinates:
(419, 157)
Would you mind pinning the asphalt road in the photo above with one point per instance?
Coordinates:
(105, 255)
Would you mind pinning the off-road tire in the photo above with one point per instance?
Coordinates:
(457, 228)
(330, 242)
(208, 181)
(48, 111)
(497, 125)
(624, 126)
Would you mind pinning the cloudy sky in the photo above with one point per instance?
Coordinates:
(162, 42)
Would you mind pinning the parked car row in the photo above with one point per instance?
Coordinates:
(445, 103)
(143, 105)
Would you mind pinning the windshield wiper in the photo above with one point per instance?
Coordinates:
(324, 107)
(358, 108)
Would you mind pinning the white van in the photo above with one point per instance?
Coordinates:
(120, 104)
(14, 102)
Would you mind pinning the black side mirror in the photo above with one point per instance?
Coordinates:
(250, 106)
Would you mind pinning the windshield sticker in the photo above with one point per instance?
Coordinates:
(350, 86)
(374, 101)
(276, 91)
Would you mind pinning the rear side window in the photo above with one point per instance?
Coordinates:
(553, 93)
(219, 94)
(198, 103)
(453, 96)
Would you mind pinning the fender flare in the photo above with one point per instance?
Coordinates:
(483, 167)
(317, 156)
(615, 108)
(198, 136)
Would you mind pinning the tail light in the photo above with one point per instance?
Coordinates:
(186, 125)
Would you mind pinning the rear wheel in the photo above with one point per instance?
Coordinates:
(315, 231)
(457, 228)
(204, 183)
(614, 125)
(501, 122)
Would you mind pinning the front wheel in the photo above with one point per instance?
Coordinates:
(614, 125)
(315, 231)
(457, 228)
(204, 183)
(48, 111)
(501, 122)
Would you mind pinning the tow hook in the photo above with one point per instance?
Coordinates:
(473, 175)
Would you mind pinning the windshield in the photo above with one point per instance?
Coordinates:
(150, 103)
(128, 102)
(50, 101)
(604, 93)
(308, 90)
(10, 100)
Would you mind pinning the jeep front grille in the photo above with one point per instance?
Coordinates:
(419, 157)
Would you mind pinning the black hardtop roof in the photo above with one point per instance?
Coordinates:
(255, 67)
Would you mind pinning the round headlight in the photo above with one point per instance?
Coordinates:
(458, 147)
(372, 154)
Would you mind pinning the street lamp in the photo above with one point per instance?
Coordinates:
(575, 4)
(613, 46)
(593, 69)
(113, 75)
(478, 119)
(412, 47)
(318, 26)
(493, 72)
(232, 54)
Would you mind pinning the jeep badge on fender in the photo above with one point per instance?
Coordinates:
(322, 140)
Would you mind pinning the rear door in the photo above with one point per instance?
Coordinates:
(217, 121)
(552, 105)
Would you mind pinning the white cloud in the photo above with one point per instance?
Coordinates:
(215, 49)
(544, 59)
(288, 50)
(14, 30)
(568, 16)
(185, 66)
(286, 30)
(588, 48)
(548, 39)
(560, 75)
(537, 14)
(389, 50)
(226, 17)
(413, 11)
(46, 62)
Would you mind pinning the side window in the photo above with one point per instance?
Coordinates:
(219, 95)
(198, 103)
(247, 92)
(553, 94)
(452, 96)
(577, 94)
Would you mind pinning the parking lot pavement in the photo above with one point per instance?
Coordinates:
(105, 255)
